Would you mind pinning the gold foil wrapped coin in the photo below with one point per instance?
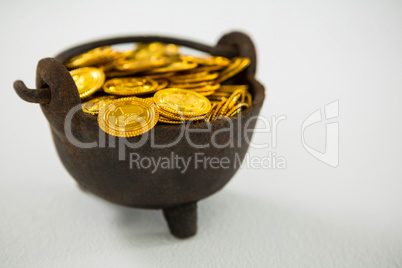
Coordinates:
(217, 110)
(192, 85)
(162, 83)
(136, 66)
(165, 120)
(236, 109)
(210, 113)
(233, 100)
(182, 101)
(94, 105)
(209, 88)
(99, 55)
(174, 67)
(179, 116)
(237, 65)
(206, 68)
(130, 86)
(194, 77)
(210, 60)
(231, 88)
(88, 80)
(128, 117)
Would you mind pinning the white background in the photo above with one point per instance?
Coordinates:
(309, 215)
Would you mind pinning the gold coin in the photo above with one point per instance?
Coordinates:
(179, 117)
(128, 117)
(129, 54)
(210, 60)
(161, 75)
(93, 57)
(171, 50)
(206, 68)
(209, 114)
(130, 86)
(217, 110)
(218, 95)
(237, 65)
(118, 73)
(192, 85)
(182, 101)
(88, 80)
(194, 77)
(174, 67)
(156, 49)
(186, 76)
(110, 65)
(214, 101)
(113, 73)
(94, 105)
(209, 88)
(136, 66)
(163, 119)
(206, 93)
(236, 109)
(233, 99)
(148, 50)
(162, 83)
(234, 113)
(231, 88)
(150, 100)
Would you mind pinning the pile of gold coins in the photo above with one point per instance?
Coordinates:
(132, 91)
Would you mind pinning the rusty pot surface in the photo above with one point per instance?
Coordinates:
(104, 165)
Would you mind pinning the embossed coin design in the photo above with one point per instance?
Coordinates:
(94, 105)
(130, 86)
(128, 117)
(181, 101)
(88, 80)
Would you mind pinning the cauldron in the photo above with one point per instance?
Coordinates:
(101, 166)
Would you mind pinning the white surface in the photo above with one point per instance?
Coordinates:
(309, 215)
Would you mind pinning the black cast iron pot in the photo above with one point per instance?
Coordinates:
(103, 164)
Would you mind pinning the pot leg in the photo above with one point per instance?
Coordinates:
(182, 220)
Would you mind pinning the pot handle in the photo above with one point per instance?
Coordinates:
(244, 46)
(56, 89)
(41, 95)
